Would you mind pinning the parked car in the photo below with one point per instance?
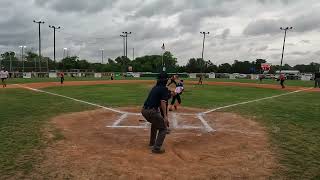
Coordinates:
(129, 74)
(269, 76)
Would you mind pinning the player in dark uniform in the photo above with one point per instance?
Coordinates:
(157, 99)
(200, 80)
(317, 79)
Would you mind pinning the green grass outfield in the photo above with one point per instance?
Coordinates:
(265, 81)
(292, 120)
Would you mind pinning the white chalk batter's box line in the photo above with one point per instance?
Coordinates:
(200, 115)
(174, 122)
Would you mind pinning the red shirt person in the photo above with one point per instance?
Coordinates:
(61, 74)
(282, 78)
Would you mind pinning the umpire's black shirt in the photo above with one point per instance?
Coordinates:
(317, 75)
(156, 94)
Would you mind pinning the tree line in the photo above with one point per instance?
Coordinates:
(148, 63)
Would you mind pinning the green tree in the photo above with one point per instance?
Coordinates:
(310, 68)
(210, 67)
(123, 62)
(8, 58)
(241, 67)
(225, 68)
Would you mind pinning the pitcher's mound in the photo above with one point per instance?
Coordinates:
(239, 148)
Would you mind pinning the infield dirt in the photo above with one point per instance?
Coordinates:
(239, 148)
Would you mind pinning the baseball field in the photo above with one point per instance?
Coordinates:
(225, 129)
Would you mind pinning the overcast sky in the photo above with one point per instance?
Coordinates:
(242, 30)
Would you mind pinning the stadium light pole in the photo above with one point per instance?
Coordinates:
(132, 53)
(284, 42)
(39, 23)
(22, 48)
(124, 44)
(54, 45)
(101, 55)
(126, 36)
(204, 38)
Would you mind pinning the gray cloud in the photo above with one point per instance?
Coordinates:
(225, 33)
(305, 41)
(317, 53)
(75, 6)
(168, 7)
(143, 29)
(290, 44)
(262, 48)
(306, 22)
(300, 53)
(264, 26)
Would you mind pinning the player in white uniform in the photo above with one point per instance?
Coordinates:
(3, 75)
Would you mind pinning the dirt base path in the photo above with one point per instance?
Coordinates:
(82, 83)
(238, 149)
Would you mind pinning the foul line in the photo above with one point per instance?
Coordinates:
(205, 124)
(122, 117)
(85, 102)
(256, 100)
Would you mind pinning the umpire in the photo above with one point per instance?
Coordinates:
(157, 99)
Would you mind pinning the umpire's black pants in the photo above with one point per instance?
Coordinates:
(158, 127)
(317, 82)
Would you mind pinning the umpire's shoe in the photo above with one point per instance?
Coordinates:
(158, 151)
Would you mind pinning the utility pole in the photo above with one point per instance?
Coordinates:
(126, 36)
(22, 59)
(102, 55)
(162, 62)
(132, 54)
(54, 46)
(124, 44)
(39, 23)
(284, 42)
(204, 38)
(10, 61)
(65, 52)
